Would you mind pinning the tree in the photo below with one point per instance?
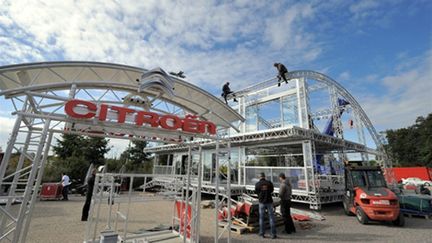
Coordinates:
(135, 159)
(70, 145)
(74, 154)
(95, 150)
(412, 146)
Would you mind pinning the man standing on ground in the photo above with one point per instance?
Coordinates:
(282, 71)
(285, 191)
(65, 181)
(226, 91)
(89, 194)
(264, 190)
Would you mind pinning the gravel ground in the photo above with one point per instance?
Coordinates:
(59, 221)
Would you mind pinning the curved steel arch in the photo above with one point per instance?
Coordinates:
(313, 75)
(17, 79)
(344, 92)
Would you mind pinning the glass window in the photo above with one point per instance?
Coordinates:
(251, 118)
(290, 111)
(376, 179)
(358, 178)
(269, 115)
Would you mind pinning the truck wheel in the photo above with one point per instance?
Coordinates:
(346, 209)
(400, 221)
(361, 216)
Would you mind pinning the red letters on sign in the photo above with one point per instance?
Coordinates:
(147, 117)
(70, 105)
(170, 122)
(140, 118)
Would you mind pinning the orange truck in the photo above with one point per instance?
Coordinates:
(367, 196)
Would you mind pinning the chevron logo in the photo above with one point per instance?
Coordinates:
(156, 79)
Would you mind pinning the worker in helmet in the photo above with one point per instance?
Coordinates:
(282, 71)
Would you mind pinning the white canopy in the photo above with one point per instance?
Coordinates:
(16, 79)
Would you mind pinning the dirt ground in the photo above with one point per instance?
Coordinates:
(59, 221)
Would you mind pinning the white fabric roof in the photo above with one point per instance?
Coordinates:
(16, 79)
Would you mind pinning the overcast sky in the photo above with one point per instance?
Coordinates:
(381, 51)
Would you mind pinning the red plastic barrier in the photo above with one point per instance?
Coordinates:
(51, 191)
(180, 209)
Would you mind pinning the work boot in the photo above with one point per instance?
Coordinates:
(278, 84)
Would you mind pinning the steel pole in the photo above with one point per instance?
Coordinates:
(14, 181)
(9, 148)
(217, 191)
(188, 182)
(29, 187)
(36, 186)
(229, 191)
(200, 172)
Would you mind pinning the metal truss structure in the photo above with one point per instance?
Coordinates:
(304, 138)
(39, 92)
(181, 193)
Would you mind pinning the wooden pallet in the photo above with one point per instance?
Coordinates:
(421, 215)
(234, 228)
(255, 226)
(414, 213)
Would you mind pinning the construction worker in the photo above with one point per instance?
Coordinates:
(65, 181)
(226, 91)
(89, 194)
(282, 71)
(285, 191)
(264, 190)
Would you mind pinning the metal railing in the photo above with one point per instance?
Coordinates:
(163, 170)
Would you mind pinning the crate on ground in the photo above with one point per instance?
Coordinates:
(416, 205)
(51, 191)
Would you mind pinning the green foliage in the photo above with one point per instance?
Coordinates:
(74, 154)
(134, 158)
(412, 146)
(93, 149)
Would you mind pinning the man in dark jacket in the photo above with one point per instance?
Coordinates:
(226, 91)
(285, 191)
(282, 71)
(90, 186)
(264, 190)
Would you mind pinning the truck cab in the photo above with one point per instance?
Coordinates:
(367, 196)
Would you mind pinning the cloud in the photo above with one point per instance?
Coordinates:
(406, 95)
(344, 76)
(209, 40)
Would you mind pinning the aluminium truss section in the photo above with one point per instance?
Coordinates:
(274, 135)
(22, 180)
(184, 224)
(326, 82)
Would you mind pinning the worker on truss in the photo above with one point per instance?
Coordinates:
(227, 91)
(282, 71)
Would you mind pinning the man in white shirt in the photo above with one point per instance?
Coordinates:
(65, 181)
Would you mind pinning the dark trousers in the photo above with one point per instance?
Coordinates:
(86, 207)
(225, 95)
(65, 192)
(282, 75)
(286, 215)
